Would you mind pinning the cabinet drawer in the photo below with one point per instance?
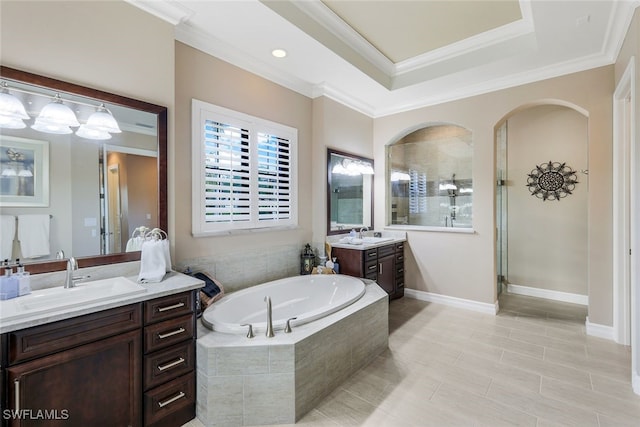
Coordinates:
(399, 258)
(164, 365)
(371, 269)
(168, 307)
(370, 254)
(167, 333)
(54, 337)
(400, 247)
(171, 404)
(386, 250)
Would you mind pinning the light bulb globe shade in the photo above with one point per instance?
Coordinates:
(56, 113)
(102, 120)
(10, 123)
(25, 173)
(85, 132)
(11, 107)
(46, 127)
(9, 172)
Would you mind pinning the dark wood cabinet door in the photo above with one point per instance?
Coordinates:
(387, 273)
(97, 384)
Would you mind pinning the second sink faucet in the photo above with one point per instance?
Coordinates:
(362, 230)
(269, 332)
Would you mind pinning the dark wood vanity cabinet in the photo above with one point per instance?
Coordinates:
(169, 360)
(384, 264)
(81, 371)
(127, 366)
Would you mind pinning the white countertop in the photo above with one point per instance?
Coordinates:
(173, 283)
(343, 241)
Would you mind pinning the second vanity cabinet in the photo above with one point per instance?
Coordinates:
(127, 366)
(383, 264)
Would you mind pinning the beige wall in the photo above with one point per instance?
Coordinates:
(212, 80)
(462, 265)
(76, 42)
(341, 128)
(547, 240)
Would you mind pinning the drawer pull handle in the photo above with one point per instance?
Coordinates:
(170, 307)
(170, 334)
(400, 247)
(372, 267)
(172, 399)
(401, 257)
(170, 364)
(401, 270)
(372, 254)
(16, 390)
(380, 271)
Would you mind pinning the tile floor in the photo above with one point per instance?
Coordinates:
(531, 365)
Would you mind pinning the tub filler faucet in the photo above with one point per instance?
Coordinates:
(269, 333)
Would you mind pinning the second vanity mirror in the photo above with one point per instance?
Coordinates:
(95, 182)
(349, 192)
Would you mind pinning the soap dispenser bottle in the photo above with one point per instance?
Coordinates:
(8, 283)
(24, 280)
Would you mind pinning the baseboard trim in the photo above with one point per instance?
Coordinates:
(548, 294)
(467, 304)
(635, 380)
(599, 331)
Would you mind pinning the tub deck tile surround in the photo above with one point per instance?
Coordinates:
(274, 381)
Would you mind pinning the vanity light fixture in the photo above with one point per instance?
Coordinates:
(12, 112)
(352, 168)
(102, 120)
(56, 118)
(279, 53)
(84, 131)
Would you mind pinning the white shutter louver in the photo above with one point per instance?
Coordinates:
(274, 178)
(244, 172)
(227, 173)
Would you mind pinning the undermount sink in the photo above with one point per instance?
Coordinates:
(367, 240)
(53, 299)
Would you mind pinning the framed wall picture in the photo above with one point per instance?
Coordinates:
(24, 172)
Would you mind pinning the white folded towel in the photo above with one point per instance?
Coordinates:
(7, 233)
(33, 234)
(154, 261)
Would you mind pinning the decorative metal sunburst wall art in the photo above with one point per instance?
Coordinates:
(552, 181)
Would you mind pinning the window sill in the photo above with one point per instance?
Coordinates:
(243, 231)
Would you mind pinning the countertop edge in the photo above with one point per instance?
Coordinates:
(173, 283)
(364, 247)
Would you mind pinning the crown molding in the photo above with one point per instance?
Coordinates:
(331, 22)
(324, 89)
(619, 22)
(171, 12)
(502, 82)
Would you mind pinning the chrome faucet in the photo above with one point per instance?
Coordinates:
(72, 265)
(362, 230)
(70, 282)
(269, 333)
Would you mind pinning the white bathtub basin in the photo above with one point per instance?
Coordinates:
(59, 298)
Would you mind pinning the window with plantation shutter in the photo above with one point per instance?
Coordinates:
(244, 172)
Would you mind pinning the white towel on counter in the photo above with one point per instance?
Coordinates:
(155, 261)
(33, 234)
(7, 233)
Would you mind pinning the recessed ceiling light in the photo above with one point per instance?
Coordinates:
(279, 53)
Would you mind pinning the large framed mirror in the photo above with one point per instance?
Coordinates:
(349, 192)
(96, 182)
